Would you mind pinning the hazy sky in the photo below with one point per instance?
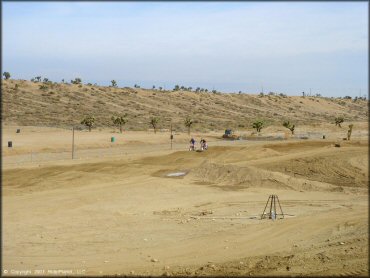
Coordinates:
(284, 47)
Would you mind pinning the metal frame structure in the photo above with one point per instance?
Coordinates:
(272, 214)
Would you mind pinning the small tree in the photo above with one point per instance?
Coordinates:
(154, 123)
(153, 87)
(114, 83)
(88, 121)
(76, 81)
(289, 126)
(338, 121)
(177, 87)
(119, 121)
(6, 75)
(38, 78)
(188, 123)
(258, 125)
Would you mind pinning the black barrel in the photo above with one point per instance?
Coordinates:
(18, 130)
(10, 144)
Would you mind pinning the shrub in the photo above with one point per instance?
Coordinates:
(43, 87)
(289, 126)
(338, 121)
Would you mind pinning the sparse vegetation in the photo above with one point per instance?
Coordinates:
(43, 87)
(119, 121)
(6, 75)
(89, 121)
(188, 123)
(289, 126)
(154, 123)
(339, 121)
(258, 125)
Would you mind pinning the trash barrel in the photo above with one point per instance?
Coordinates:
(10, 144)
(18, 130)
(112, 139)
(323, 137)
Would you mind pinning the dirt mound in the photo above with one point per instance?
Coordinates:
(298, 146)
(231, 177)
(343, 168)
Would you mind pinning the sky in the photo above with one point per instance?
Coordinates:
(283, 47)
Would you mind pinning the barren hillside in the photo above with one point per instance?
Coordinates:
(61, 105)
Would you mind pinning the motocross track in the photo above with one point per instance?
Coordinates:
(126, 216)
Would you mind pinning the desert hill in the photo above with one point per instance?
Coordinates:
(63, 105)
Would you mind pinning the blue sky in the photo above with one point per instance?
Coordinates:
(230, 46)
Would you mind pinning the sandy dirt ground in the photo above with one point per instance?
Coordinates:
(123, 215)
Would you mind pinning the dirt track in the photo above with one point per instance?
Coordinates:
(125, 216)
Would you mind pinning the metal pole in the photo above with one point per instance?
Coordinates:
(263, 213)
(272, 196)
(73, 142)
(275, 207)
(280, 208)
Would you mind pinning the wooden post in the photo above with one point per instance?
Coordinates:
(73, 142)
(171, 136)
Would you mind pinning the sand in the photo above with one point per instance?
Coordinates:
(121, 213)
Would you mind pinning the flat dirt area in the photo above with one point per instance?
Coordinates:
(129, 213)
